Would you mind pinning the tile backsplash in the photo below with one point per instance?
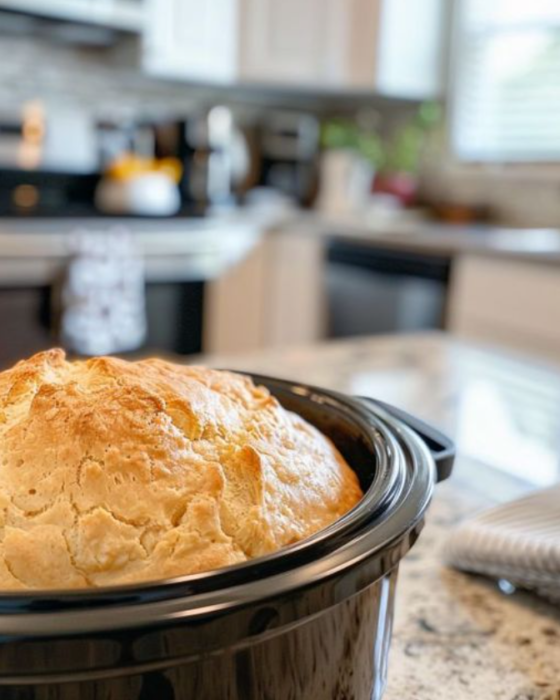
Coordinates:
(106, 81)
(517, 194)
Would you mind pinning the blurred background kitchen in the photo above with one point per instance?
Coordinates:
(231, 175)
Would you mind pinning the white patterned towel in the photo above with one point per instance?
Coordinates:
(102, 300)
(518, 541)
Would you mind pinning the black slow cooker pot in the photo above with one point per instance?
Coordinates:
(310, 622)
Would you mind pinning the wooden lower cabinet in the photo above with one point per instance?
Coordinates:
(508, 302)
(274, 298)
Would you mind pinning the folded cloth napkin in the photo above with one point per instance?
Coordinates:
(517, 541)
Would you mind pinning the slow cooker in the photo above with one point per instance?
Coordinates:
(309, 622)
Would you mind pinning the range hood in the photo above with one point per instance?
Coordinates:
(120, 15)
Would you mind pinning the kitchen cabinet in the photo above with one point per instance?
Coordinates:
(274, 298)
(514, 303)
(191, 39)
(291, 41)
(393, 47)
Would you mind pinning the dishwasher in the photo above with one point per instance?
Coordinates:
(373, 289)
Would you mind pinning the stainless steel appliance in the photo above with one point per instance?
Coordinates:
(217, 157)
(44, 193)
(381, 290)
(44, 135)
(289, 154)
(52, 158)
(49, 160)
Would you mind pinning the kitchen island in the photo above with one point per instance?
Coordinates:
(456, 636)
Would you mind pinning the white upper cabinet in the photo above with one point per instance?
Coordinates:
(410, 47)
(192, 39)
(393, 47)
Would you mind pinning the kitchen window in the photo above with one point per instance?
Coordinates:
(505, 96)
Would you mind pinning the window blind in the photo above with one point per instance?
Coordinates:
(506, 82)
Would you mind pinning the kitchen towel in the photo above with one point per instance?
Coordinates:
(517, 541)
(102, 302)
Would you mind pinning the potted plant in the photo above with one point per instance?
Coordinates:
(352, 153)
(403, 155)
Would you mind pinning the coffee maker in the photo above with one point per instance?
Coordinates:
(217, 156)
(289, 154)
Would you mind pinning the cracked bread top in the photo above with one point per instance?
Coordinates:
(114, 472)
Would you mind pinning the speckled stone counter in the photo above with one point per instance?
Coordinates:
(457, 636)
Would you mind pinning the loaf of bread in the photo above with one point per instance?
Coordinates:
(114, 472)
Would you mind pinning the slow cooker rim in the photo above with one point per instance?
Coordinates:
(39, 602)
(390, 549)
(386, 484)
(12, 626)
(303, 601)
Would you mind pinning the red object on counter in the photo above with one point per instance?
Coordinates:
(402, 186)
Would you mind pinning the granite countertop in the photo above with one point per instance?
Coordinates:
(456, 636)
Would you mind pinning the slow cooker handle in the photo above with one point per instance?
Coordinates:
(441, 447)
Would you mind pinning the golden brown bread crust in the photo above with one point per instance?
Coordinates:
(115, 472)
